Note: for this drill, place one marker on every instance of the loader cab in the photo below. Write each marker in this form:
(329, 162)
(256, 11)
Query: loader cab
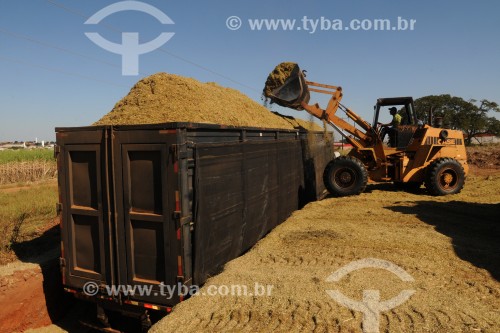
(403, 104)
(409, 121)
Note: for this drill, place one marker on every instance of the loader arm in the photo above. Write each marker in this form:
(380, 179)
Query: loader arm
(294, 93)
(360, 139)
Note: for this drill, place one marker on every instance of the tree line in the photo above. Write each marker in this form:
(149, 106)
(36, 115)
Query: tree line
(470, 116)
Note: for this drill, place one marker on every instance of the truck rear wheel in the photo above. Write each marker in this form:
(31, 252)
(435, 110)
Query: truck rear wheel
(445, 176)
(345, 176)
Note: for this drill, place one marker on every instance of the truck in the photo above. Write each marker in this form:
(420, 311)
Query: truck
(170, 204)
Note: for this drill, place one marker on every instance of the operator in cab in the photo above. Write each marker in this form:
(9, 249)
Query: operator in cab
(392, 127)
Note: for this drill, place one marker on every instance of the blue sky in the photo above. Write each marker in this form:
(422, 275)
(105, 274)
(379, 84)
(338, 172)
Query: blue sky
(53, 75)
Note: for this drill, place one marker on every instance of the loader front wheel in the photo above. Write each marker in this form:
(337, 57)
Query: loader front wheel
(445, 176)
(345, 176)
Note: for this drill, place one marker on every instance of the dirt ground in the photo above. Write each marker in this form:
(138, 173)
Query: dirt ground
(31, 293)
(484, 160)
(28, 299)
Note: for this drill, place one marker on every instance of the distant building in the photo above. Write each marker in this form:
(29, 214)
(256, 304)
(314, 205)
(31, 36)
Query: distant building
(485, 139)
(10, 145)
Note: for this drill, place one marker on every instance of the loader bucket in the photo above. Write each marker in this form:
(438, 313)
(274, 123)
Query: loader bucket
(293, 91)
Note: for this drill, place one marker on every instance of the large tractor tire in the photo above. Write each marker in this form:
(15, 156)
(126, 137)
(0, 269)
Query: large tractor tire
(445, 176)
(345, 176)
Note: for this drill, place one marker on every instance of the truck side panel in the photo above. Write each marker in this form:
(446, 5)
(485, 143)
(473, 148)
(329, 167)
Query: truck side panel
(243, 190)
(172, 203)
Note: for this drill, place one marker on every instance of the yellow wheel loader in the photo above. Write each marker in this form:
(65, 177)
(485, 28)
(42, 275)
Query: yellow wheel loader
(418, 153)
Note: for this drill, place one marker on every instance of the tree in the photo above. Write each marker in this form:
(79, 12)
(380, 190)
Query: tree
(469, 116)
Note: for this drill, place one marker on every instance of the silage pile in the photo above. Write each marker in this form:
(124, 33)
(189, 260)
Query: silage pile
(308, 125)
(448, 245)
(163, 97)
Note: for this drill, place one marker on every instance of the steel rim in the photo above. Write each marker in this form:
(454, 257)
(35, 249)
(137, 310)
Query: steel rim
(448, 179)
(344, 177)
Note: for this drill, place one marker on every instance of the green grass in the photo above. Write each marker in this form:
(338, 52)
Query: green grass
(25, 155)
(25, 214)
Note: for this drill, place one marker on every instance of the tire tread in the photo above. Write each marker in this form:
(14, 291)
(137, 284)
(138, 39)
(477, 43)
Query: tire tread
(356, 163)
(431, 181)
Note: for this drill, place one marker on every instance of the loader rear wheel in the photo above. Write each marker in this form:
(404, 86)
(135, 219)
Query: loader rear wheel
(345, 176)
(445, 176)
